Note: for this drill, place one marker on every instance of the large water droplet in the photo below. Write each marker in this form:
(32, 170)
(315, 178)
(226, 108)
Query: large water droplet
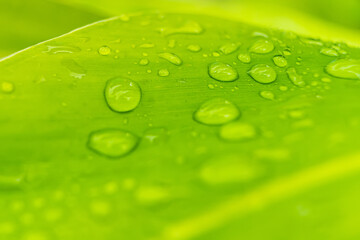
(280, 61)
(344, 68)
(112, 142)
(172, 58)
(263, 73)
(295, 78)
(229, 169)
(122, 95)
(262, 46)
(237, 131)
(229, 48)
(216, 111)
(223, 72)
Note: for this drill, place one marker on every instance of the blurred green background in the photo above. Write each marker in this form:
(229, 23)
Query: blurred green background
(25, 23)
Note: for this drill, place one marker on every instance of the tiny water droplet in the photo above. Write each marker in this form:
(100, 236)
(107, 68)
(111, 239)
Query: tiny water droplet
(124, 17)
(147, 45)
(216, 111)
(7, 87)
(144, 61)
(283, 88)
(229, 169)
(112, 142)
(151, 195)
(326, 80)
(262, 46)
(237, 131)
(11, 182)
(280, 61)
(156, 135)
(229, 48)
(329, 52)
(122, 95)
(223, 72)
(211, 86)
(194, 48)
(163, 72)
(295, 78)
(263, 73)
(244, 58)
(296, 114)
(267, 95)
(344, 68)
(104, 51)
(172, 58)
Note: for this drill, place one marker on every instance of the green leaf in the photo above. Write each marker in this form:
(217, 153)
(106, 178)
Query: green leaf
(194, 156)
(25, 23)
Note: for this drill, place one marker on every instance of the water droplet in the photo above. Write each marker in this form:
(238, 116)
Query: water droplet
(156, 135)
(237, 131)
(147, 45)
(326, 80)
(144, 61)
(244, 58)
(272, 154)
(286, 52)
(280, 61)
(229, 48)
(151, 195)
(100, 207)
(62, 49)
(329, 52)
(229, 169)
(163, 72)
(194, 48)
(223, 72)
(283, 88)
(124, 17)
(171, 43)
(216, 111)
(211, 86)
(263, 73)
(11, 182)
(7, 87)
(267, 95)
(312, 41)
(75, 69)
(172, 58)
(295, 78)
(190, 27)
(344, 68)
(122, 95)
(262, 46)
(104, 51)
(112, 142)
(296, 114)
